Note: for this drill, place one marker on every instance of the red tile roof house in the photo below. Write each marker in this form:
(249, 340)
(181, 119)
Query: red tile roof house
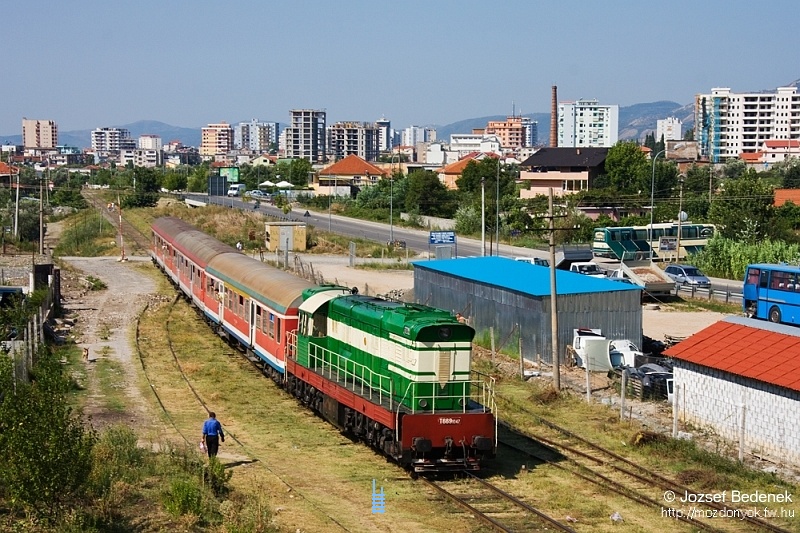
(741, 378)
(352, 170)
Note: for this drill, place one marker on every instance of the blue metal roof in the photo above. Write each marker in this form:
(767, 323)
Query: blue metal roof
(522, 277)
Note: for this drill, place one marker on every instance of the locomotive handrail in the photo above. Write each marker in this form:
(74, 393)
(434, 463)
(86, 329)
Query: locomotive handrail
(365, 379)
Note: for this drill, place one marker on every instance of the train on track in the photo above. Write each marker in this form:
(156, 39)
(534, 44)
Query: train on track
(394, 375)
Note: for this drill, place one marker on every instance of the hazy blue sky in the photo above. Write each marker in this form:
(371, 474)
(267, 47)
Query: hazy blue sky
(88, 64)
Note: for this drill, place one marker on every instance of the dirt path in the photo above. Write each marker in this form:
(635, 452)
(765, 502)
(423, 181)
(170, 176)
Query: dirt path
(104, 321)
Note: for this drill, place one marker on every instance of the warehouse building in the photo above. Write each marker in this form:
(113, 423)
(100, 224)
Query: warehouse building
(513, 297)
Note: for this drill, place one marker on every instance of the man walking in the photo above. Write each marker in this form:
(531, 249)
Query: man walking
(212, 434)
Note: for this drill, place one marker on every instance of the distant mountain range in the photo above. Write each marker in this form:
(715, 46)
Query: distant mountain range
(635, 122)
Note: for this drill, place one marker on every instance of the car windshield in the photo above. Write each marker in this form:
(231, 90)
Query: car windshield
(588, 268)
(692, 272)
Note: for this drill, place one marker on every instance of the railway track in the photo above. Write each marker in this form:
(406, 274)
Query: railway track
(167, 410)
(566, 451)
(494, 506)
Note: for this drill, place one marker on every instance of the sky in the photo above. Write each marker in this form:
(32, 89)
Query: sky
(90, 64)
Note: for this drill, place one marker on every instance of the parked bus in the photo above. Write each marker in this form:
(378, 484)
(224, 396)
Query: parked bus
(772, 292)
(627, 243)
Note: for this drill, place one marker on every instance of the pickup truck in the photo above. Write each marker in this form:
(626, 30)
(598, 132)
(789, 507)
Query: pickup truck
(588, 268)
(645, 274)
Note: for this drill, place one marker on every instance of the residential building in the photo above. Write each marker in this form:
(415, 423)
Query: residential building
(353, 138)
(39, 133)
(216, 139)
(337, 179)
(452, 172)
(514, 132)
(414, 135)
(305, 135)
(385, 134)
(670, 129)
(150, 142)
(566, 170)
(466, 143)
(255, 136)
(587, 124)
(109, 141)
(728, 124)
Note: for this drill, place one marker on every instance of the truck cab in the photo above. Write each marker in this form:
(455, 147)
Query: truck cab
(237, 189)
(588, 268)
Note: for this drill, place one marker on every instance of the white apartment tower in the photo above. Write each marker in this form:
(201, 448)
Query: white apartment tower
(670, 129)
(216, 139)
(728, 124)
(150, 142)
(414, 135)
(587, 124)
(39, 133)
(385, 134)
(255, 136)
(305, 135)
(353, 138)
(107, 141)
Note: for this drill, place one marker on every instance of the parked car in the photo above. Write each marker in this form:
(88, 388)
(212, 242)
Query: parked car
(687, 275)
(257, 194)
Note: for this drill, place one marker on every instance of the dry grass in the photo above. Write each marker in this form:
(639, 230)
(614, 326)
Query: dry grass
(312, 474)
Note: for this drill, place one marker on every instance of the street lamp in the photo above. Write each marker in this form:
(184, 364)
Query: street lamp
(497, 208)
(483, 217)
(330, 194)
(652, 204)
(391, 195)
(681, 178)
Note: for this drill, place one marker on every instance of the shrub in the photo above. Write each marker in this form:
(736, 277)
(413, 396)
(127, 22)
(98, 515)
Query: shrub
(183, 497)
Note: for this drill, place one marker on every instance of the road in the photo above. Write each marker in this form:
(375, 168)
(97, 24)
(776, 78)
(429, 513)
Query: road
(418, 240)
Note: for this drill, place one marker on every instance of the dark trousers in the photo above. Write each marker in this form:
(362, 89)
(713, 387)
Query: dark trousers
(212, 445)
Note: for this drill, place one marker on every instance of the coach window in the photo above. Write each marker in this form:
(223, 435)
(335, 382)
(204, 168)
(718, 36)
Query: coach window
(259, 318)
(271, 331)
(764, 283)
(752, 276)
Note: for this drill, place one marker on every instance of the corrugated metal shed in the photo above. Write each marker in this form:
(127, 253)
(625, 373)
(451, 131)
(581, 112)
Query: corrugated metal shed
(513, 297)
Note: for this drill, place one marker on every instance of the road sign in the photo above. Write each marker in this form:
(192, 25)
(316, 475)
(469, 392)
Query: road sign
(442, 237)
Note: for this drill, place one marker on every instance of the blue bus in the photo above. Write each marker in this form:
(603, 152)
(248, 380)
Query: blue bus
(772, 292)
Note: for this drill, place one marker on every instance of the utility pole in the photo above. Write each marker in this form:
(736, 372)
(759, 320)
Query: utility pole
(41, 215)
(553, 299)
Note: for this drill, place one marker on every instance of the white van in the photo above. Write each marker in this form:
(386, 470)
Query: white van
(237, 189)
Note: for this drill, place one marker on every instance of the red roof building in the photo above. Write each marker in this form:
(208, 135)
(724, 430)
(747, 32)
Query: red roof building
(742, 371)
(352, 170)
(786, 195)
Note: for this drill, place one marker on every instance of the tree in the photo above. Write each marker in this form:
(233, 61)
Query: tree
(299, 170)
(744, 209)
(47, 451)
(427, 195)
(198, 182)
(627, 168)
(175, 180)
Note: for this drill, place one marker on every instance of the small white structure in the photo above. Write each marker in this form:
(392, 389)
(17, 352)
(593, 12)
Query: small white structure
(741, 378)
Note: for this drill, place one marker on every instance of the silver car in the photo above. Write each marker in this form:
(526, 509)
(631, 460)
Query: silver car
(687, 275)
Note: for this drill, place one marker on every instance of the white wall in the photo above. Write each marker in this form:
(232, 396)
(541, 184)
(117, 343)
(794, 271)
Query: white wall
(715, 398)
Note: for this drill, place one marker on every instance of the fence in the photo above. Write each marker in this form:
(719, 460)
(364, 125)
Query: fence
(725, 294)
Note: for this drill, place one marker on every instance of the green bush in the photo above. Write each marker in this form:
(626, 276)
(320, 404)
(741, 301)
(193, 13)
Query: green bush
(217, 477)
(183, 497)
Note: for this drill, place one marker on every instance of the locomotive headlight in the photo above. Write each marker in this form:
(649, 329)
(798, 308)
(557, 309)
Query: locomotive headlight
(423, 403)
(461, 402)
(444, 333)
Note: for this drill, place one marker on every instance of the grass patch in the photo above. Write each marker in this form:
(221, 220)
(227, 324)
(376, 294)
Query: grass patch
(110, 377)
(698, 304)
(87, 234)
(396, 265)
(96, 284)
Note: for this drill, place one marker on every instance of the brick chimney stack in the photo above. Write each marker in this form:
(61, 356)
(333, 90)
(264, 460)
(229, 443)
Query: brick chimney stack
(554, 118)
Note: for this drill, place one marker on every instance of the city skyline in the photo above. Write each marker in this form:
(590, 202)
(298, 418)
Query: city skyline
(89, 64)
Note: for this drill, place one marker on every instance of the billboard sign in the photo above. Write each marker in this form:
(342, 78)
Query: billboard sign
(231, 174)
(442, 237)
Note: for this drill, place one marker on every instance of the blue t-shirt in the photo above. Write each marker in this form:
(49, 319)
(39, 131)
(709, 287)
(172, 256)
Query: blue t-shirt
(212, 427)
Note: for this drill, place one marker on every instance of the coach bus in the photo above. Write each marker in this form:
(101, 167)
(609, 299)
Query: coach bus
(772, 292)
(635, 242)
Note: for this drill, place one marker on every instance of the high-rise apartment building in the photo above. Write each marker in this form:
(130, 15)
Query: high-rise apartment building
(305, 135)
(728, 124)
(670, 129)
(39, 133)
(216, 139)
(586, 123)
(514, 132)
(107, 141)
(385, 134)
(150, 142)
(255, 136)
(356, 138)
(414, 135)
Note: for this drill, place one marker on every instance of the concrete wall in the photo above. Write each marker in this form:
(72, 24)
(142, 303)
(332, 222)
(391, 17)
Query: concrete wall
(714, 398)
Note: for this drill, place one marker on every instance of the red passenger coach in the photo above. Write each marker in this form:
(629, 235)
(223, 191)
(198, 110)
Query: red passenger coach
(259, 304)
